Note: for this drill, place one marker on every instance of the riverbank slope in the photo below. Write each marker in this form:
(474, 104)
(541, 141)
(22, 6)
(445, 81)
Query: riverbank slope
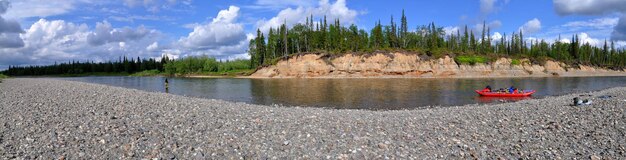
(395, 64)
(46, 118)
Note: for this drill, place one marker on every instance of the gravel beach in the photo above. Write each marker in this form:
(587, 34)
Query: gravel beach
(56, 119)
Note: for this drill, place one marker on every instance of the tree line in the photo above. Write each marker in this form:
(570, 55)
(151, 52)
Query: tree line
(205, 64)
(123, 65)
(429, 39)
(186, 65)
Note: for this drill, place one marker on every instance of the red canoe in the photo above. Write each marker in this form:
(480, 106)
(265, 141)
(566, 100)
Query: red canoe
(497, 94)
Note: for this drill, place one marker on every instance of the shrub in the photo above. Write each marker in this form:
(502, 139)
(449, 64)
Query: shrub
(470, 59)
(516, 62)
(153, 72)
(204, 64)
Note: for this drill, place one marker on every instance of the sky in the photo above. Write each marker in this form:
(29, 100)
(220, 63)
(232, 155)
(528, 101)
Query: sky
(43, 32)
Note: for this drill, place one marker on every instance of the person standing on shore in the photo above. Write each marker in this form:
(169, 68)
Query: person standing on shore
(167, 87)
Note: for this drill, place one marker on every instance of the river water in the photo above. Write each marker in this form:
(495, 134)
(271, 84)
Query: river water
(375, 94)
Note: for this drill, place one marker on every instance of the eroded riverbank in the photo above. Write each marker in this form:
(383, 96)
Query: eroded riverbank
(45, 118)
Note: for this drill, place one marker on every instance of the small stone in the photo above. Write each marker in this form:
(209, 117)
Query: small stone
(594, 157)
(285, 143)
(382, 146)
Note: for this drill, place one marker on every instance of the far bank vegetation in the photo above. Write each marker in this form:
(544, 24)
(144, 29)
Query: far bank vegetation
(465, 45)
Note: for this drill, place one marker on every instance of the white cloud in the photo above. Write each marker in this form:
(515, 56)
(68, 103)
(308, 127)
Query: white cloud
(532, 26)
(223, 38)
(619, 32)
(46, 42)
(585, 38)
(105, 33)
(451, 30)
(4, 6)
(595, 23)
(9, 29)
(496, 36)
(10, 40)
(337, 10)
(222, 31)
(153, 47)
(596, 7)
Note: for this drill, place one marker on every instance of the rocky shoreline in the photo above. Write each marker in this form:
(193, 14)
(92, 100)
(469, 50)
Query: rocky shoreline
(50, 119)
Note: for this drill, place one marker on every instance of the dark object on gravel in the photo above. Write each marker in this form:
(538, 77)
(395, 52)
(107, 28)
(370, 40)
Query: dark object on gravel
(606, 96)
(578, 102)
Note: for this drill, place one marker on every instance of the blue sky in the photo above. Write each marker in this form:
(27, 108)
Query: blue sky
(38, 32)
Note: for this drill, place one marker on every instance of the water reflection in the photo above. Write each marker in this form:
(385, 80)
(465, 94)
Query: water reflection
(357, 93)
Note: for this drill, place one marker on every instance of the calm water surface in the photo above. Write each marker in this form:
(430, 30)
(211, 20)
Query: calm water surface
(357, 93)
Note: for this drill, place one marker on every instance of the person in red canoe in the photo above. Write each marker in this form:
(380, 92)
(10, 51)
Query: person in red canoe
(487, 89)
(515, 90)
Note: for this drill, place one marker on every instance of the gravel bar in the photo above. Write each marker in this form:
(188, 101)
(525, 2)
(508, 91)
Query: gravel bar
(56, 119)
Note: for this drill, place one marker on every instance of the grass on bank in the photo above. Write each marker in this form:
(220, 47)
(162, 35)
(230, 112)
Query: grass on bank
(147, 73)
(471, 59)
(2, 76)
(228, 73)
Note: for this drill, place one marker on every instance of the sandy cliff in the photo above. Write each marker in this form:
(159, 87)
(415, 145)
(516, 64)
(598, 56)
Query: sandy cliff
(412, 65)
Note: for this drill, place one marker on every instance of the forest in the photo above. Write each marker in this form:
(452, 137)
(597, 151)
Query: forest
(122, 66)
(335, 38)
(140, 67)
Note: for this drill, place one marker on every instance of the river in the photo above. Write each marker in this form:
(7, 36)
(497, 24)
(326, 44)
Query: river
(374, 94)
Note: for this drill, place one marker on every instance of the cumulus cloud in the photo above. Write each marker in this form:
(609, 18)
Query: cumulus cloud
(532, 26)
(585, 38)
(337, 10)
(9, 26)
(496, 36)
(4, 6)
(104, 33)
(46, 42)
(596, 7)
(450, 30)
(223, 38)
(8, 40)
(222, 31)
(9, 29)
(619, 33)
(588, 7)
(153, 47)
